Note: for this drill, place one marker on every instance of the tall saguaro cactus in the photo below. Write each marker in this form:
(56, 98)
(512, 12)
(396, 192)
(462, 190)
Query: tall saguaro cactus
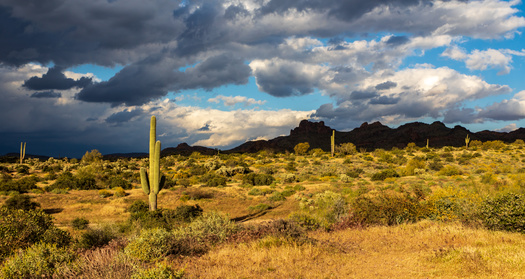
(22, 151)
(467, 141)
(152, 183)
(332, 142)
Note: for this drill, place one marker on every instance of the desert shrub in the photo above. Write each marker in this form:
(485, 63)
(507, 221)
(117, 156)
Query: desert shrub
(435, 165)
(450, 170)
(301, 148)
(451, 204)
(161, 271)
(22, 185)
(505, 212)
(150, 244)
(213, 180)
(22, 202)
(494, 145)
(289, 178)
(65, 180)
(386, 207)
(39, 261)
(84, 181)
(80, 223)
(346, 148)
(382, 175)
(119, 192)
(412, 165)
(323, 210)
(277, 196)
(259, 208)
(118, 181)
(92, 156)
(22, 169)
(96, 237)
(104, 193)
(258, 179)
(211, 227)
(21, 229)
(354, 173)
(260, 191)
(197, 194)
(184, 213)
(291, 166)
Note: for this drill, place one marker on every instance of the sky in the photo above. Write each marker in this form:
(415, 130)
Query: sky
(78, 75)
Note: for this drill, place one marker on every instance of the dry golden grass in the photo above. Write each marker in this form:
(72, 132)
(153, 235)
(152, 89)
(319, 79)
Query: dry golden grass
(422, 250)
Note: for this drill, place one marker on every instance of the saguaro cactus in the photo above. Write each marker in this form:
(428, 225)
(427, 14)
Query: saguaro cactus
(152, 183)
(22, 151)
(332, 140)
(467, 141)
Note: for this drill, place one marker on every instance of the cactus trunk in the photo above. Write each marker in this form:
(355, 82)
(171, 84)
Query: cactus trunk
(22, 151)
(332, 143)
(152, 183)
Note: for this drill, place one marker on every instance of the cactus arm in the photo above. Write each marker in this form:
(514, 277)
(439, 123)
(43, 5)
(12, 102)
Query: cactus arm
(161, 184)
(144, 180)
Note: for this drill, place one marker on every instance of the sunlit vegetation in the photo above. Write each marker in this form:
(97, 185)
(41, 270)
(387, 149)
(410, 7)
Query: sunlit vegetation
(415, 212)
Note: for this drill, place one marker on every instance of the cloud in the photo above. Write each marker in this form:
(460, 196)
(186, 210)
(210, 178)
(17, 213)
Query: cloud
(483, 60)
(46, 94)
(124, 116)
(55, 79)
(234, 100)
(420, 92)
(508, 109)
(508, 128)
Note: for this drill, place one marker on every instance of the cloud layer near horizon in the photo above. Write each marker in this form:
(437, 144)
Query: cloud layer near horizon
(352, 51)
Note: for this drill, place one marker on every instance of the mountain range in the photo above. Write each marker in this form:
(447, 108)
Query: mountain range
(367, 136)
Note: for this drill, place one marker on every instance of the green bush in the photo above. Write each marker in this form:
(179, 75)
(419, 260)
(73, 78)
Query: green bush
(96, 238)
(22, 202)
(117, 181)
(151, 244)
(39, 261)
(80, 223)
(211, 227)
(382, 175)
(22, 185)
(184, 213)
(213, 180)
(387, 207)
(506, 212)
(258, 179)
(450, 170)
(21, 229)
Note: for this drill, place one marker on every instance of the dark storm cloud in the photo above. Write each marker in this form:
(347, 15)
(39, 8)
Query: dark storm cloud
(361, 95)
(123, 116)
(201, 29)
(152, 78)
(234, 11)
(214, 72)
(384, 100)
(46, 94)
(386, 85)
(463, 115)
(342, 9)
(55, 79)
(136, 84)
(397, 40)
(284, 80)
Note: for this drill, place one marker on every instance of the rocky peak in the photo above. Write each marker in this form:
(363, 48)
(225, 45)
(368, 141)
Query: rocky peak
(308, 128)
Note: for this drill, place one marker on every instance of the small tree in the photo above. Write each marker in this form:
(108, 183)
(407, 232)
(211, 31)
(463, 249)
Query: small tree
(346, 148)
(301, 148)
(91, 157)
